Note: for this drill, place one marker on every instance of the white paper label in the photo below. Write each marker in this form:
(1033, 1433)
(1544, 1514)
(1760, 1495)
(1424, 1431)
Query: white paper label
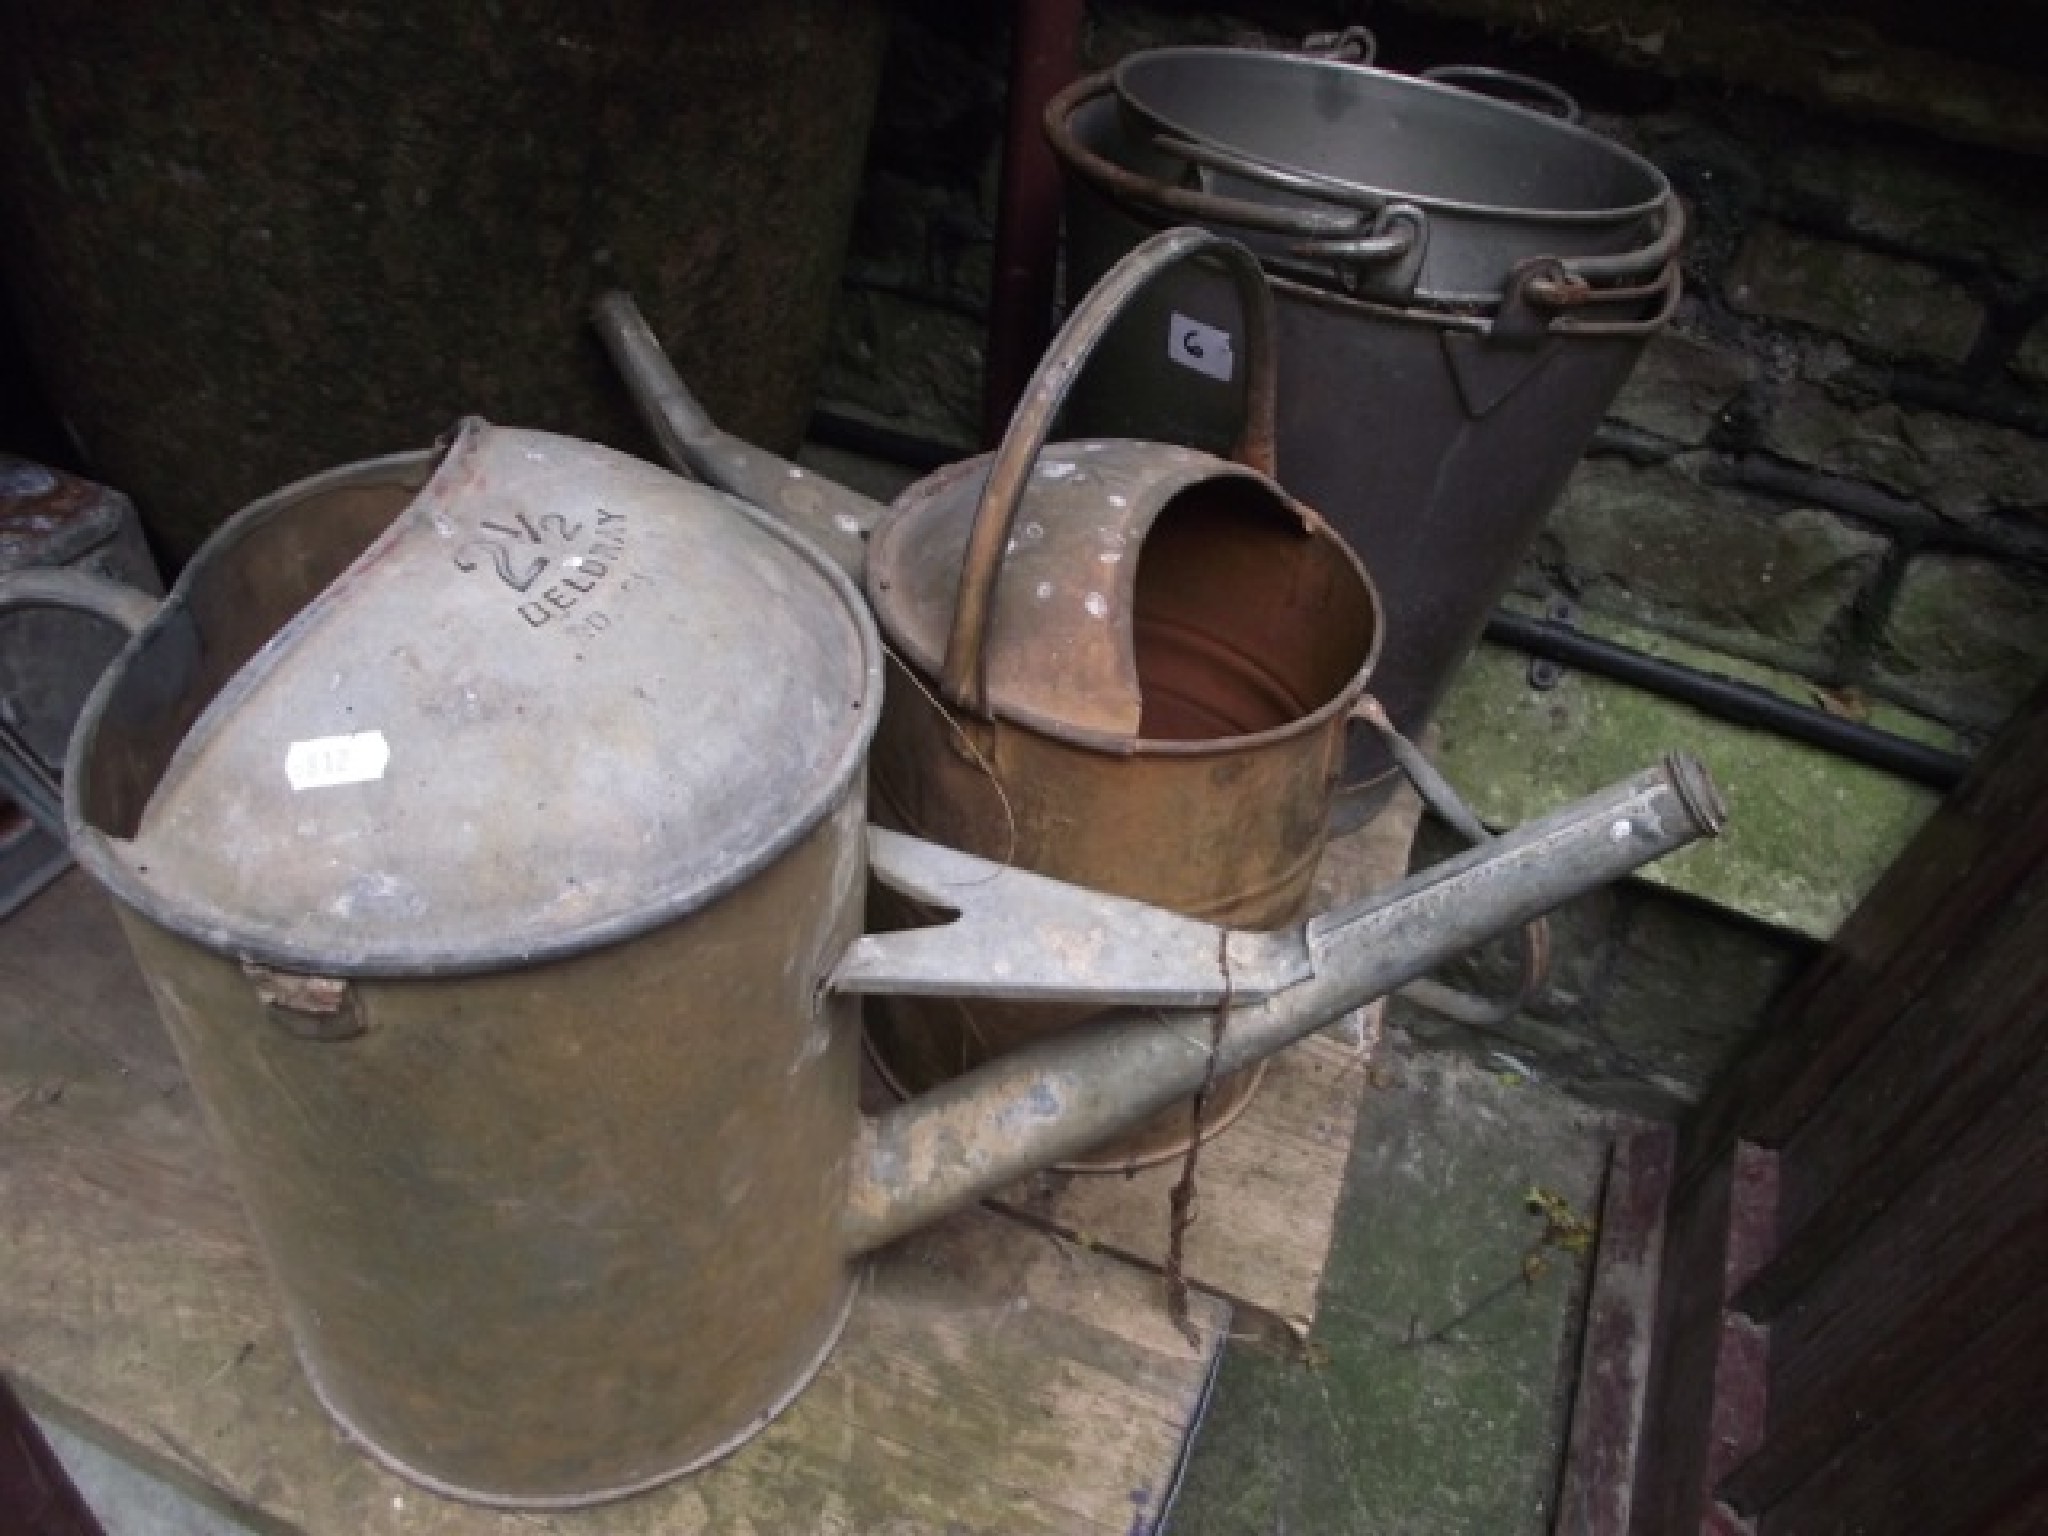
(330, 760)
(1201, 347)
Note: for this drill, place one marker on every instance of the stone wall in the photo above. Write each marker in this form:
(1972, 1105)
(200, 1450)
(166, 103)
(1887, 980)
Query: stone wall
(1834, 463)
(1836, 460)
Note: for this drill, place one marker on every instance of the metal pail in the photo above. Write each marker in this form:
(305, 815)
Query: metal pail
(1435, 438)
(1320, 152)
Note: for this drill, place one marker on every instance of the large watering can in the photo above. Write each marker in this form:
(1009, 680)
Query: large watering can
(489, 825)
(1123, 664)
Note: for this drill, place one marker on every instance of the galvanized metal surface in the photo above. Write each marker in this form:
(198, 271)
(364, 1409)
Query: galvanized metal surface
(30, 857)
(552, 1234)
(1061, 1095)
(562, 698)
(555, 1224)
(832, 517)
(508, 1209)
(1086, 946)
(1492, 184)
(1434, 441)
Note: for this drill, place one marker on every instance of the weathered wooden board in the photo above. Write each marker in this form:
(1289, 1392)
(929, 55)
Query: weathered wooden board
(1621, 1311)
(1267, 1189)
(993, 1378)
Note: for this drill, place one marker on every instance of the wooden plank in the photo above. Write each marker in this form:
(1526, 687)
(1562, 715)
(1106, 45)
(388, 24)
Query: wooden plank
(1945, 1058)
(1268, 1188)
(1896, 1212)
(1962, 1246)
(1267, 1193)
(1706, 1397)
(1981, 842)
(1614, 1368)
(1946, 1460)
(993, 1378)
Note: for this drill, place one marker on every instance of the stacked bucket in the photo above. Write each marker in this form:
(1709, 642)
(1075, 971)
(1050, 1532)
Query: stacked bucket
(1463, 283)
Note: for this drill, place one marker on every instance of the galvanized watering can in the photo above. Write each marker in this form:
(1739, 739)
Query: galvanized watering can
(489, 825)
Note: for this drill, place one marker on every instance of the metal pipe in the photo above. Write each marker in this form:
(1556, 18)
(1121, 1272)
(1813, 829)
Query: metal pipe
(1060, 1096)
(1729, 699)
(1044, 53)
(836, 519)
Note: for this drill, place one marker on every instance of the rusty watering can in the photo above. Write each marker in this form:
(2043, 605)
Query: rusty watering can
(1122, 664)
(489, 825)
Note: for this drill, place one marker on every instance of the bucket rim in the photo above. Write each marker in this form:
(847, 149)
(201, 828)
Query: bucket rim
(1159, 206)
(1513, 115)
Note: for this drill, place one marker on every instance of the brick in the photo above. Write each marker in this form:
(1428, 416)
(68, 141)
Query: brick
(915, 366)
(1965, 640)
(1687, 989)
(1896, 307)
(1657, 546)
(1941, 204)
(924, 239)
(1681, 386)
(2030, 362)
(1963, 469)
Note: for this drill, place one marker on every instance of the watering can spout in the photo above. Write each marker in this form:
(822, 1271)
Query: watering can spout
(1064, 1094)
(836, 519)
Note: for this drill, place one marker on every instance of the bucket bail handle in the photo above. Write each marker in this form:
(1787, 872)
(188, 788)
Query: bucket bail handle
(964, 677)
(1440, 796)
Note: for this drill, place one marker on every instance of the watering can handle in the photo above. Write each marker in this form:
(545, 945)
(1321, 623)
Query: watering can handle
(1439, 795)
(127, 608)
(964, 678)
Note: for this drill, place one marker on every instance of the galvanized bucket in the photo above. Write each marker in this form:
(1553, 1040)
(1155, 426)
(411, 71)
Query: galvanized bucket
(1435, 436)
(1400, 188)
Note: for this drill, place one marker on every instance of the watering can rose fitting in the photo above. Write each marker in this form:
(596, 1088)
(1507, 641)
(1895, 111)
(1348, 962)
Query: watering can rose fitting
(490, 826)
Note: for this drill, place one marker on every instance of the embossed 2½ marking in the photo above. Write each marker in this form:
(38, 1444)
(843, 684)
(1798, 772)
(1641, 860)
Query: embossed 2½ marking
(521, 549)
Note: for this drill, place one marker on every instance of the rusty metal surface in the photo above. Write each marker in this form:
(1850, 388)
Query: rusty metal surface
(1020, 465)
(1122, 664)
(1058, 649)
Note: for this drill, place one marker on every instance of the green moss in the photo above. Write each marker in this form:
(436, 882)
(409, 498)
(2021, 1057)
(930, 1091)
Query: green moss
(1431, 1402)
(1808, 833)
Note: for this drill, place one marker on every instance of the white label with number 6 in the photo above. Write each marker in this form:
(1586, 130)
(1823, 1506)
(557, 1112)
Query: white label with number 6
(1204, 348)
